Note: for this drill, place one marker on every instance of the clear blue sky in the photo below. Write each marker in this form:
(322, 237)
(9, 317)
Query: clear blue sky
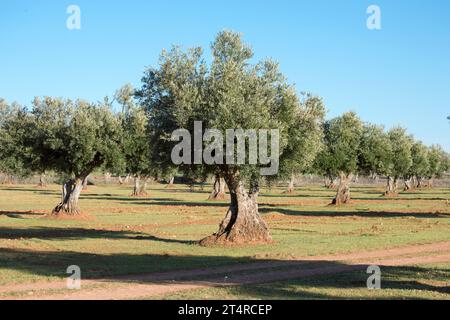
(399, 75)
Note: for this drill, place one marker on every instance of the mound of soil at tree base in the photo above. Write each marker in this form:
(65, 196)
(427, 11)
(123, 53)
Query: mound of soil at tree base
(219, 198)
(82, 216)
(390, 195)
(334, 204)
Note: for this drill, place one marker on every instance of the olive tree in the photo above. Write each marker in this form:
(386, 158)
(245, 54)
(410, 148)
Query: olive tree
(229, 94)
(305, 139)
(438, 163)
(375, 151)
(12, 152)
(400, 161)
(73, 139)
(218, 192)
(137, 149)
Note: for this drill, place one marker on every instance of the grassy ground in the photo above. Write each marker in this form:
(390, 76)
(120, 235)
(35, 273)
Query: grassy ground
(419, 282)
(158, 233)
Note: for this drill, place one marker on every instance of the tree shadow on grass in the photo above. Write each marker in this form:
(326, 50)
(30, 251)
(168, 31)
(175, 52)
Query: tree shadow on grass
(365, 214)
(384, 198)
(49, 233)
(393, 278)
(220, 270)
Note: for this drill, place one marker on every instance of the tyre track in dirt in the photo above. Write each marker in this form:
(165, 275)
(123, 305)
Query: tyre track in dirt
(155, 284)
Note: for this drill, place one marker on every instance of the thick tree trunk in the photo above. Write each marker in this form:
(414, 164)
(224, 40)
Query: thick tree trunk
(69, 197)
(137, 186)
(107, 177)
(343, 191)
(391, 187)
(120, 180)
(327, 182)
(291, 185)
(408, 184)
(218, 192)
(140, 186)
(374, 177)
(330, 182)
(242, 223)
(419, 182)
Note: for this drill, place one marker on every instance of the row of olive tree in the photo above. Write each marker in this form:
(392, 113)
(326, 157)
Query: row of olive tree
(71, 138)
(352, 147)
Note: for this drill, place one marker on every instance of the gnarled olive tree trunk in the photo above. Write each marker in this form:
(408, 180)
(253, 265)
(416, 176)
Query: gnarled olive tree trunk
(242, 223)
(85, 183)
(409, 183)
(42, 183)
(8, 179)
(137, 186)
(69, 197)
(143, 190)
(391, 186)
(171, 182)
(343, 191)
(218, 192)
(330, 182)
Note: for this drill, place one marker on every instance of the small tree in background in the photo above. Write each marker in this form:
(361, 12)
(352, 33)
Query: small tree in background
(401, 160)
(306, 139)
(342, 139)
(135, 140)
(137, 149)
(73, 139)
(375, 151)
(438, 163)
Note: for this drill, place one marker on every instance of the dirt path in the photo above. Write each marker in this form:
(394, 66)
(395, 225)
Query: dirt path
(155, 284)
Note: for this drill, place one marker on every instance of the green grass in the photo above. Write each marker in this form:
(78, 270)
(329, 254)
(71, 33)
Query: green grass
(158, 233)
